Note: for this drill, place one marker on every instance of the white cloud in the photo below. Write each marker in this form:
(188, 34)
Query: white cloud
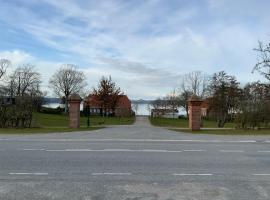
(45, 68)
(147, 46)
(17, 57)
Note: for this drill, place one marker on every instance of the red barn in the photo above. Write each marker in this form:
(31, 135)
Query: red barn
(122, 108)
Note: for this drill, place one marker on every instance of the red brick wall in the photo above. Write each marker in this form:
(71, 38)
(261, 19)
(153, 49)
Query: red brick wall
(195, 115)
(74, 114)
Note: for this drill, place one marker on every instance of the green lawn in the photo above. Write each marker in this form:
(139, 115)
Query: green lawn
(183, 123)
(227, 131)
(53, 120)
(45, 123)
(44, 130)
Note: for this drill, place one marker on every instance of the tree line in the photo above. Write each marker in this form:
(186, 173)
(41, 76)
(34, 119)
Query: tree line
(21, 94)
(248, 106)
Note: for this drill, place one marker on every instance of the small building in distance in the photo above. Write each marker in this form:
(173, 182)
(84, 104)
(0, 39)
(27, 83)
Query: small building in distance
(122, 108)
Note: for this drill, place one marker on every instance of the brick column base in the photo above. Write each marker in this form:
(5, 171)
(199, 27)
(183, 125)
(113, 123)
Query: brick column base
(74, 111)
(194, 104)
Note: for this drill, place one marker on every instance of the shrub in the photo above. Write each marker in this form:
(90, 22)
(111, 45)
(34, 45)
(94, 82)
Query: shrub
(57, 110)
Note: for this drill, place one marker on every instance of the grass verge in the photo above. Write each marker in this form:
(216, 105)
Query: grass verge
(49, 123)
(226, 131)
(44, 130)
(53, 120)
(183, 123)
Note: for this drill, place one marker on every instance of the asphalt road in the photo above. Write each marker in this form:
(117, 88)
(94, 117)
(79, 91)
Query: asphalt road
(137, 162)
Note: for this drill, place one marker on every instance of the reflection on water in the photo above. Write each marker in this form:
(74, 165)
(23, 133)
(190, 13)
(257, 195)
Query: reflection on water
(55, 105)
(142, 108)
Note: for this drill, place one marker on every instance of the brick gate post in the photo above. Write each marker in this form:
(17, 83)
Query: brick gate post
(74, 110)
(194, 104)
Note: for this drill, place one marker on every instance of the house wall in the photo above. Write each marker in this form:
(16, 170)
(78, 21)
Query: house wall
(123, 107)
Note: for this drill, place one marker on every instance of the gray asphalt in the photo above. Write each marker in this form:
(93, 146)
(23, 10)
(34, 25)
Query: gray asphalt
(136, 162)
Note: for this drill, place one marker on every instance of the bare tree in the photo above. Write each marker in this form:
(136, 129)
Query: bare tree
(4, 64)
(172, 101)
(183, 100)
(67, 80)
(24, 94)
(263, 64)
(24, 81)
(157, 104)
(195, 82)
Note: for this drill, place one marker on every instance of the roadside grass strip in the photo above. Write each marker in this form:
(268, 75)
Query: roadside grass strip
(128, 140)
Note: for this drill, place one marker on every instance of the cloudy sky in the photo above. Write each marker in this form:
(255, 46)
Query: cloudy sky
(145, 45)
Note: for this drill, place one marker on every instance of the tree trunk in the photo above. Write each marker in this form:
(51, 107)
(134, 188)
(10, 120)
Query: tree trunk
(66, 106)
(187, 111)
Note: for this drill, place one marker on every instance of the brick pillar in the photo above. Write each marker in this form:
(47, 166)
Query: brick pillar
(194, 104)
(74, 110)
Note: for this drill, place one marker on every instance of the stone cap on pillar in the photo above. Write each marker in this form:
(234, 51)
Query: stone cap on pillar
(74, 98)
(195, 100)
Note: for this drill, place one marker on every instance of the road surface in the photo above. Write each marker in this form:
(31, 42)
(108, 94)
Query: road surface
(136, 162)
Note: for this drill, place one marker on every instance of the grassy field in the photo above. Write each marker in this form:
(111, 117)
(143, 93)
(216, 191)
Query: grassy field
(46, 123)
(227, 132)
(53, 120)
(183, 123)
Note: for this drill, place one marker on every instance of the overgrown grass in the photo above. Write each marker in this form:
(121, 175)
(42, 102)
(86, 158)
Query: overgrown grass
(183, 123)
(227, 131)
(46, 123)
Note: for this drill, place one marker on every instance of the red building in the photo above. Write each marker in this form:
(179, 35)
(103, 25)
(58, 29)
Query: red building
(122, 108)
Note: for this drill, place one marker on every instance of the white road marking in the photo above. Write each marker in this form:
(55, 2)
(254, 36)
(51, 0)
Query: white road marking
(110, 173)
(194, 150)
(33, 149)
(263, 151)
(113, 150)
(26, 173)
(117, 150)
(153, 150)
(192, 174)
(232, 151)
(78, 150)
(55, 150)
(261, 174)
(169, 151)
(127, 140)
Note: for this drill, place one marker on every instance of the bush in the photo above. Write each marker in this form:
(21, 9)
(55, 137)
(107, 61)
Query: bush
(57, 110)
(19, 114)
(182, 117)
